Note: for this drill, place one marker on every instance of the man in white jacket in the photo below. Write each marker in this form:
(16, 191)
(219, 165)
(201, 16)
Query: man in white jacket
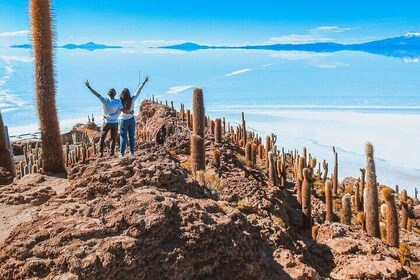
(112, 109)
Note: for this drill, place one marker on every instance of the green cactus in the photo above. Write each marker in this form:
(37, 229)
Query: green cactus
(44, 86)
(371, 198)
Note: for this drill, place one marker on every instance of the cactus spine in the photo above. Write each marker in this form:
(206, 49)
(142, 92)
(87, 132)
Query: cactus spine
(328, 201)
(306, 199)
(371, 203)
(346, 210)
(6, 155)
(392, 235)
(44, 86)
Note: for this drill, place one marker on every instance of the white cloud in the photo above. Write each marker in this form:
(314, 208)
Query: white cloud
(319, 34)
(332, 65)
(128, 43)
(333, 29)
(299, 55)
(14, 33)
(320, 60)
(8, 101)
(411, 60)
(159, 43)
(9, 58)
(238, 72)
(176, 89)
(299, 39)
(268, 65)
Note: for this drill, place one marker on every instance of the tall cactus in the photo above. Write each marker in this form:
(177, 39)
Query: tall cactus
(198, 151)
(6, 155)
(362, 185)
(44, 86)
(357, 204)
(335, 176)
(199, 115)
(272, 168)
(404, 209)
(392, 235)
(372, 200)
(244, 136)
(328, 201)
(306, 199)
(299, 179)
(218, 131)
(248, 152)
(198, 159)
(325, 173)
(267, 149)
(346, 210)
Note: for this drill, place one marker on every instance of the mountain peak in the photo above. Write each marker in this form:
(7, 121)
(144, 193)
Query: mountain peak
(412, 34)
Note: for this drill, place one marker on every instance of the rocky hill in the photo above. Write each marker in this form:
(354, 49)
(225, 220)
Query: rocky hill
(147, 217)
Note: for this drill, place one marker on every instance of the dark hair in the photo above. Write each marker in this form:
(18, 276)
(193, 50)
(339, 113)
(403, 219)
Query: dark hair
(126, 99)
(112, 92)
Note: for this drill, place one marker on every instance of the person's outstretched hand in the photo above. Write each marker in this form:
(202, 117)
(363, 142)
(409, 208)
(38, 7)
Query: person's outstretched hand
(146, 80)
(87, 83)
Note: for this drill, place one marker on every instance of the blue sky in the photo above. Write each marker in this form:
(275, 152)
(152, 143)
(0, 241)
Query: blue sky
(215, 22)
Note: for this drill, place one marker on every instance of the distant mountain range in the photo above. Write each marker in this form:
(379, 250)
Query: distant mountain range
(406, 46)
(88, 46)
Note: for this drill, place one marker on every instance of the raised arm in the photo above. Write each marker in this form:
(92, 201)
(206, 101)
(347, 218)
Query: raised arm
(92, 90)
(138, 91)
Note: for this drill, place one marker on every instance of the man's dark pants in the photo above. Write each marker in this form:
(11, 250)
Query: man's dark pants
(113, 127)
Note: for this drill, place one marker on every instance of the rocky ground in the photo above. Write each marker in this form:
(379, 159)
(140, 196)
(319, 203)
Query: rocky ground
(145, 217)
